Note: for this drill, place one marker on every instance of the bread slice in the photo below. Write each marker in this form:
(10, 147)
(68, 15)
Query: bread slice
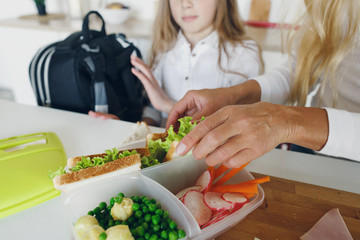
(122, 165)
(71, 162)
(155, 136)
(171, 154)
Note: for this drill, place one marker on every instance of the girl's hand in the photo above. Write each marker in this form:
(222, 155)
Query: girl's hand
(102, 115)
(236, 135)
(157, 96)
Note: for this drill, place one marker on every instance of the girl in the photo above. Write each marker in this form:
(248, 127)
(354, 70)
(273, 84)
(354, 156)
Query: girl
(328, 55)
(197, 44)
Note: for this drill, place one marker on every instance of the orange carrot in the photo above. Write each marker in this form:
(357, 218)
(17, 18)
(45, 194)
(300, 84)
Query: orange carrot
(244, 187)
(248, 195)
(237, 188)
(257, 180)
(220, 170)
(229, 175)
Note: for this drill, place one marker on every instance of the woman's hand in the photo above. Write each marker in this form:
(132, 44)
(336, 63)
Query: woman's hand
(236, 135)
(199, 103)
(157, 96)
(102, 115)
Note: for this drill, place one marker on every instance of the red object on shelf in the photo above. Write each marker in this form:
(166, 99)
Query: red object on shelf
(264, 24)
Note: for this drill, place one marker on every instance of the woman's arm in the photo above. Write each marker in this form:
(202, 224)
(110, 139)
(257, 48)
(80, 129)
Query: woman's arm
(236, 135)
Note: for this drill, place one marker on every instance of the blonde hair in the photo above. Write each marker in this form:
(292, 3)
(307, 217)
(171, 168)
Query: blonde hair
(227, 23)
(329, 32)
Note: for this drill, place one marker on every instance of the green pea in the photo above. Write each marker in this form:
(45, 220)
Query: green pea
(133, 232)
(166, 214)
(135, 206)
(173, 235)
(164, 234)
(145, 225)
(147, 202)
(147, 218)
(144, 198)
(117, 222)
(159, 212)
(145, 209)
(112, 201)
(121, 194)
(125, 223)
(102, 205)
(136, 199)
(102, 236)
(155, 219)
(152, 207)
(153, 237)
(153, 201)
(91, 213)
(172, 225)
(118, 199)
(156, 228)
(109, 208)
(138, 214)
(140, 238)
(181, 233)
(111, 223)
(96, 210)
(147, 236)
(140, 231)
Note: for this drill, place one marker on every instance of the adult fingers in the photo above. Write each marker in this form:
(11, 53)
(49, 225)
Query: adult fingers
(204, 129)
(179, 110)
(244, 156)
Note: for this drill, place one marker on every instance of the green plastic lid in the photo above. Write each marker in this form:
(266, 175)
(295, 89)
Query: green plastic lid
(24, 165)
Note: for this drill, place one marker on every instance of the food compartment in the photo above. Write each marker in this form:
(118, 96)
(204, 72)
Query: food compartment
(183, 172)
(78, 203)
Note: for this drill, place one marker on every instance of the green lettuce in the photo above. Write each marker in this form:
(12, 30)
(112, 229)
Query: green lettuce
(158, 149)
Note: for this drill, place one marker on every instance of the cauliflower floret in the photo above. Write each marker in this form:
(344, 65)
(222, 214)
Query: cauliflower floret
(123, 210)
(119, 232)
(93, 232)
(83, 224)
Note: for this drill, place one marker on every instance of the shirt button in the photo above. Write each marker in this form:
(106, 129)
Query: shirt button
(186, 78)
(194, 54)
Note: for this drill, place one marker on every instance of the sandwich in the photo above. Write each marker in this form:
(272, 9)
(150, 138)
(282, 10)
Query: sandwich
(91, 168)
(162, 145)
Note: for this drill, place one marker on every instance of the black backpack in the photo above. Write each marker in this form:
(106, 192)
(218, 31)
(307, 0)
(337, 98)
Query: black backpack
(89, 70)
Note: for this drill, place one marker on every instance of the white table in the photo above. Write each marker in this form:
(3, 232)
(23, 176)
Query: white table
(83, 135)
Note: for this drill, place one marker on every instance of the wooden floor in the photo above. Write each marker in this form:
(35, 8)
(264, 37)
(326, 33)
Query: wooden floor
(291, 208)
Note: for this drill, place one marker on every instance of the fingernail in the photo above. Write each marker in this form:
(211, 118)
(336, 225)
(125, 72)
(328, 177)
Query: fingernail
(180, 148)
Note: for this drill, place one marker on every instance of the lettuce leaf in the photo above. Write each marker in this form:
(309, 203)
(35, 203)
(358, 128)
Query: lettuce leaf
(158, 148)
(60, 171)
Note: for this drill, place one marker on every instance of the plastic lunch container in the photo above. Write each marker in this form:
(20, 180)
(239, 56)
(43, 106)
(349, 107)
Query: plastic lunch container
(160, 182)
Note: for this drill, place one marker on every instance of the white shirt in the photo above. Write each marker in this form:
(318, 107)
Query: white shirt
(344, 125)
(182, 69)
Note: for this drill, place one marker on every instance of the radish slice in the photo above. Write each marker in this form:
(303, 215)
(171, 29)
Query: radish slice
(204, 181)
(234, 197)
(214, 201)
(184, 191)
(220, 216)
(193, 200)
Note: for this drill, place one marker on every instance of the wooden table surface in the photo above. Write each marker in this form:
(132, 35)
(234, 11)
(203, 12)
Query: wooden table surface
(291, 208)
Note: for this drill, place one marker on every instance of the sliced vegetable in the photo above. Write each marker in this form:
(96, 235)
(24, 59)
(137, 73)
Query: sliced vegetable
(204, 181)
(219, 216)
(244, 187)
(214, 201)
(184, 191)
(193, 200)
(234, 197)
(229, 175)
(219, 171)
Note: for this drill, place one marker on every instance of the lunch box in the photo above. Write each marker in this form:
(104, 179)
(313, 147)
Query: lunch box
(24, 164)
(160, 182)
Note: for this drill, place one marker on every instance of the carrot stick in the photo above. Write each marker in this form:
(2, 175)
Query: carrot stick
(257, 180)
(220, 170)
(248, 195)
(229, 175)
(237, 188)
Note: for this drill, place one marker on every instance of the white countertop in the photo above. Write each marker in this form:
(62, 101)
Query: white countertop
(81, 134)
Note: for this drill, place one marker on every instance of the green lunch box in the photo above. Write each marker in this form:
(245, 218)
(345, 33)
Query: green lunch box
(25, 162)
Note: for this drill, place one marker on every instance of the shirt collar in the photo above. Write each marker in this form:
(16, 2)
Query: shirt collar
(211, 40)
